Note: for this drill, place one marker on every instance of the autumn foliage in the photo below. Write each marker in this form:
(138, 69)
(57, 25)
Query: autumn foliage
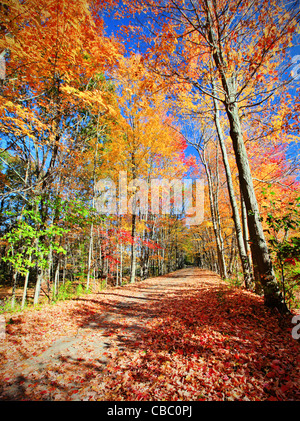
(126, 93)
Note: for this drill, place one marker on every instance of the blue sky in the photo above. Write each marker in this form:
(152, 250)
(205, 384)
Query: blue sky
(113, 26)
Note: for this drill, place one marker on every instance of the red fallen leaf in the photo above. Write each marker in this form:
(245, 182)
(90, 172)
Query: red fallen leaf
(285, 387)
(271, 374)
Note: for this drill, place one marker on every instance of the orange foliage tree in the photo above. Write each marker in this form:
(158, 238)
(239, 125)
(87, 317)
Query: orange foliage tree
(238, 45)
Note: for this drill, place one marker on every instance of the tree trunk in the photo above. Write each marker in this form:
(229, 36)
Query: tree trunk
(92, 226)
(13, 295)
(261, 258)
(25, 286)
(216, 227)
(56, 280)
(64, 269)
(121, 264)
(106, 276)
(38, 286)
(89, 259)
(246, 231)
(50, 264)
(117, 268)
(133, 222)
(248, 278)
(133, 249)
(260, 254)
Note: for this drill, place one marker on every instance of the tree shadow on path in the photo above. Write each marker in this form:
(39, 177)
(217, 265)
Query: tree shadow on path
(186, 335)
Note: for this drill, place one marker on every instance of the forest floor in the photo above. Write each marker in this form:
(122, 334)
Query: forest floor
(185, 336)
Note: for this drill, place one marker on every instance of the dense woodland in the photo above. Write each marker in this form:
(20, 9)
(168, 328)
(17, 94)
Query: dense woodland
(157, 90)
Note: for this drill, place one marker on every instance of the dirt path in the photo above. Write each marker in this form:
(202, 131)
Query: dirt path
(94, 334)
(86, 348)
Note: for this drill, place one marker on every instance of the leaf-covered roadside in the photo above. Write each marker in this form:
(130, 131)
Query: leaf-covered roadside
(214, 345)
(188, 336)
